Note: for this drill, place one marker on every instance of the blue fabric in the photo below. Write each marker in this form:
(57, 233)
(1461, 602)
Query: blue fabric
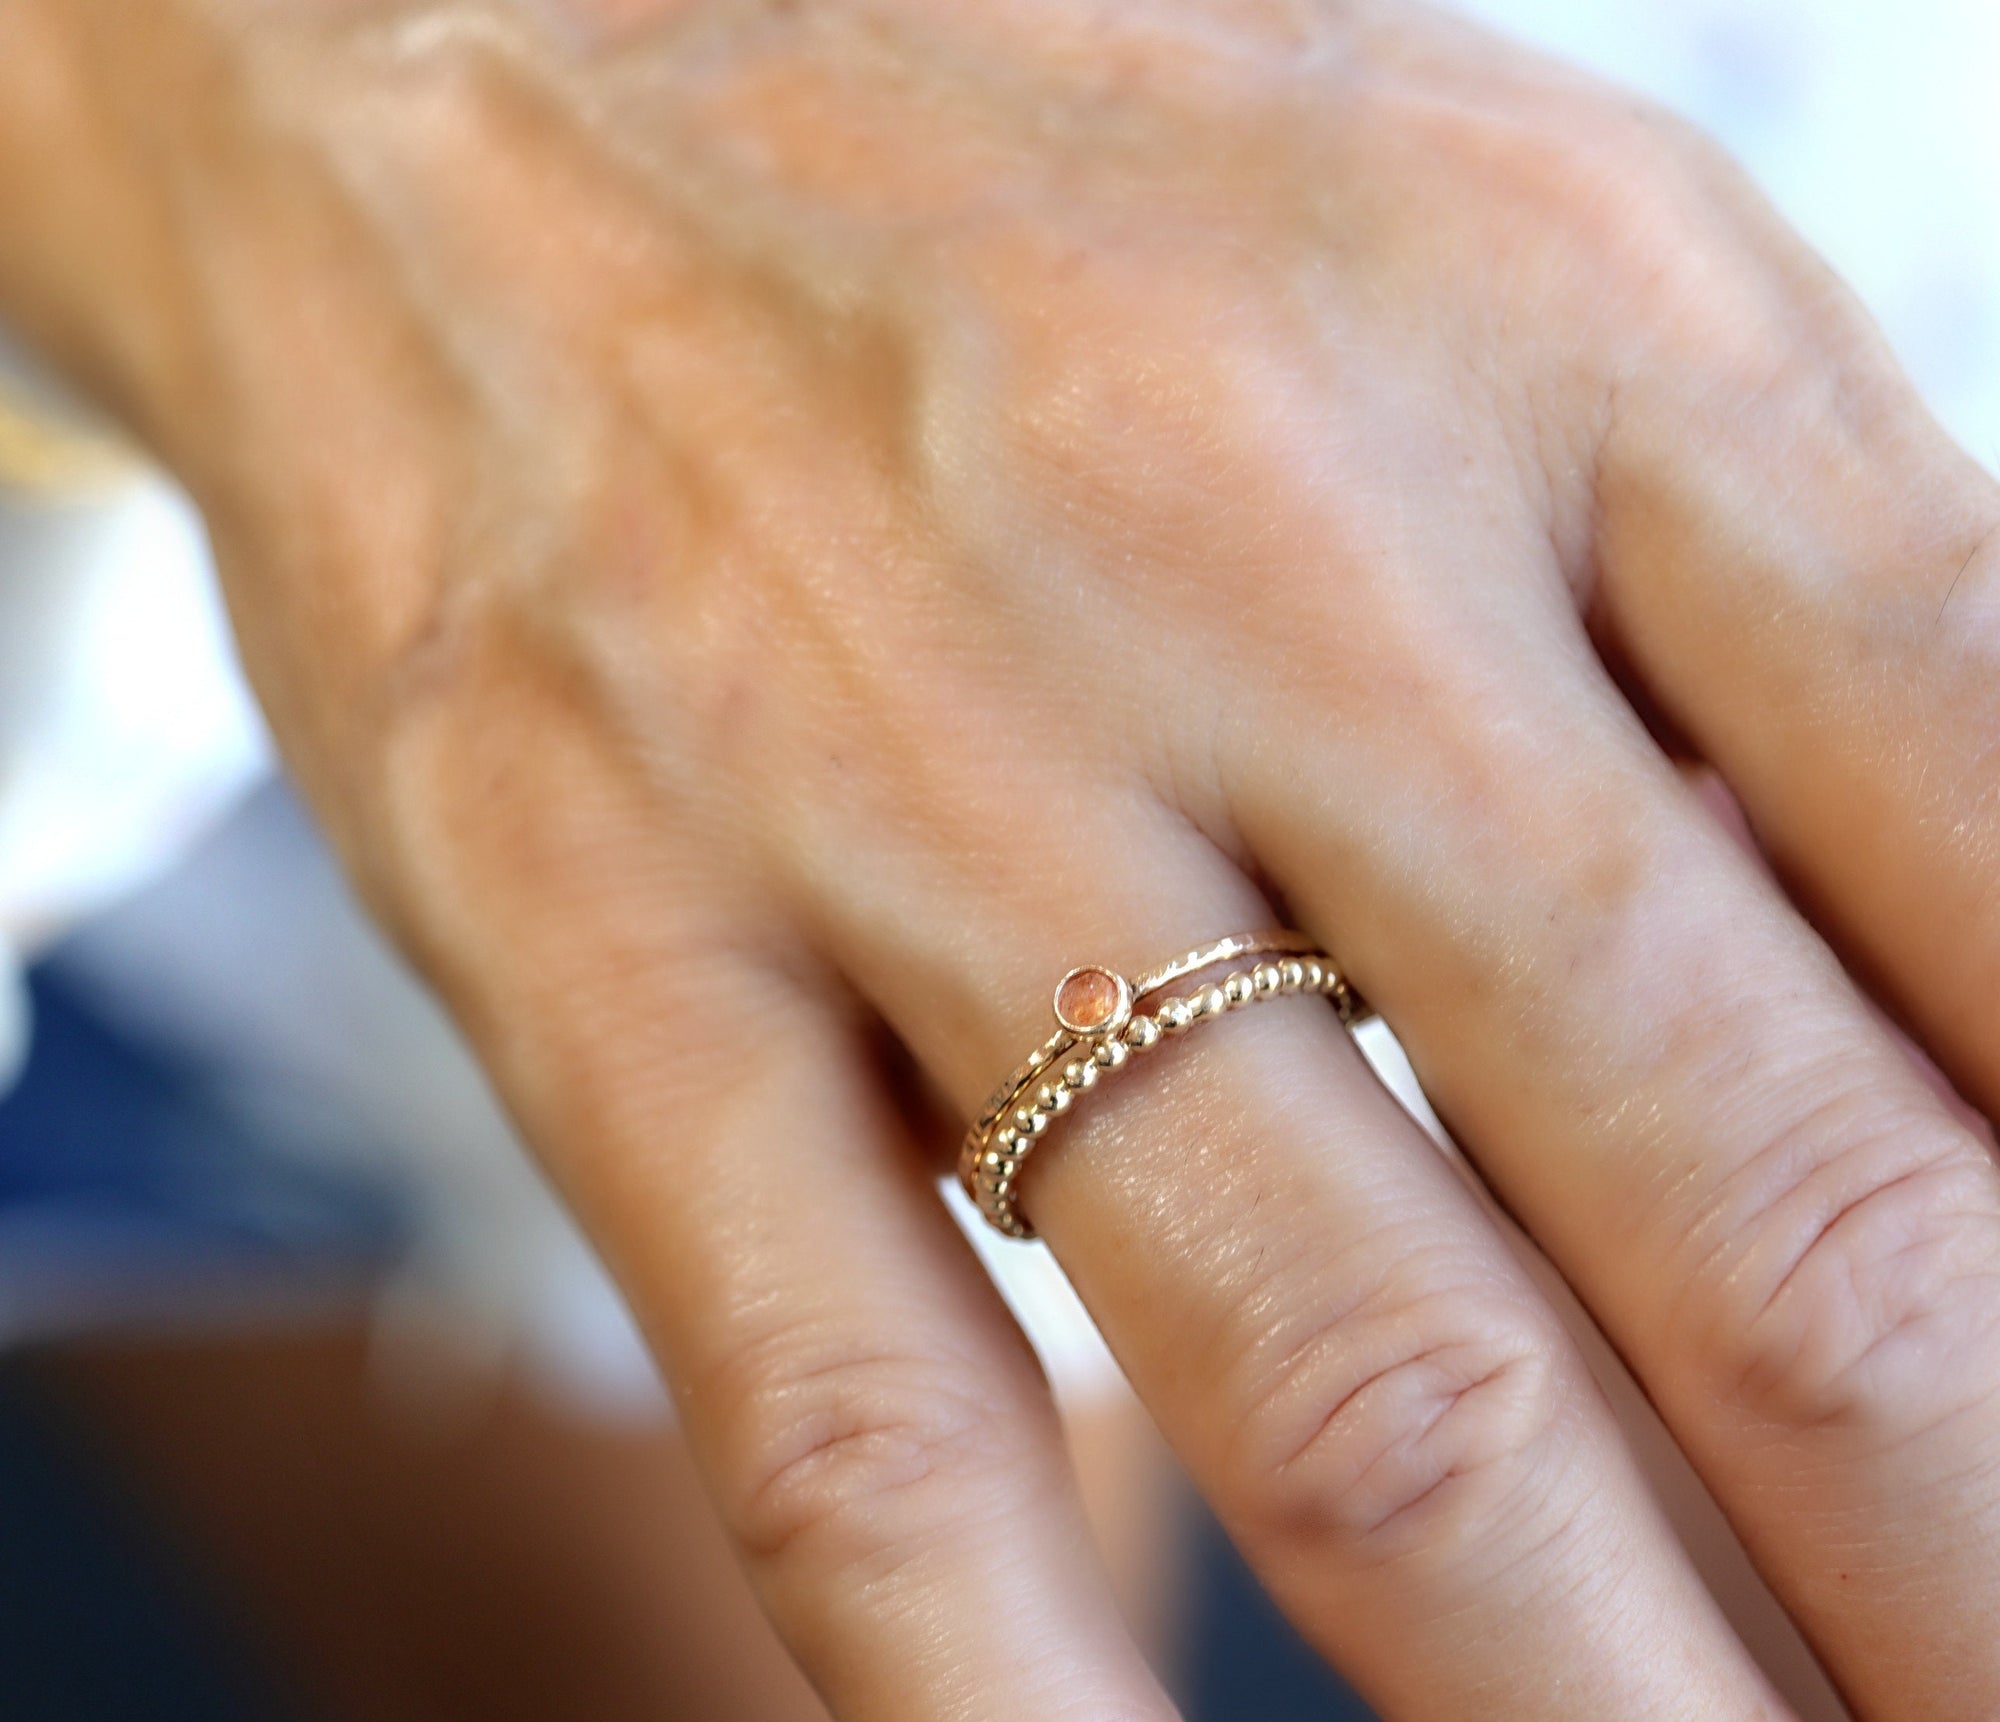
(125, 1196)
(1242, 1661)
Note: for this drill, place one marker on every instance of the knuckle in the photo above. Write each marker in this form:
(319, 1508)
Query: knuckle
(1732, 299)
(1426, 1421)
(859, 1463)
(517, 682)
(1667, 235)
(454, 736)
(397, 802)
(1107, 443)
(1858, 1285)
(1599, 175)
(1643, 227)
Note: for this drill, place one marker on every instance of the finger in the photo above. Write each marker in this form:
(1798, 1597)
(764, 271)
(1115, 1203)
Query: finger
(1812, 588)
(878, 1435)
(1390, 1422)
(1670, 1082)
(873, 1425)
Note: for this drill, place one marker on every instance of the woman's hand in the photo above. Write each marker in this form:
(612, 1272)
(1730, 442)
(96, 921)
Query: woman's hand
(756, 523)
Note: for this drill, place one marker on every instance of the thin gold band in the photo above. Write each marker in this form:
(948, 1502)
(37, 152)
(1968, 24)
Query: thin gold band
(1099, 1028)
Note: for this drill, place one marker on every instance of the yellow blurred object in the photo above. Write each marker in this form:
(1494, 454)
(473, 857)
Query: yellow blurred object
(45, 458)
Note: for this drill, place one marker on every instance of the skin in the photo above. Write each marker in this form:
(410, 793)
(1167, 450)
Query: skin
(771, 533)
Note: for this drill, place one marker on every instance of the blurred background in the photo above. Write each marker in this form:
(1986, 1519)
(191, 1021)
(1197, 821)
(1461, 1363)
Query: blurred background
(311, 1403)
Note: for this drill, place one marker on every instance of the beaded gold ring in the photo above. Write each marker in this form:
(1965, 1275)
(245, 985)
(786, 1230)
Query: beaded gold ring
(1103, 1021)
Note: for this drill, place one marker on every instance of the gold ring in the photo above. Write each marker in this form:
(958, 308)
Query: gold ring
(1100, 1026)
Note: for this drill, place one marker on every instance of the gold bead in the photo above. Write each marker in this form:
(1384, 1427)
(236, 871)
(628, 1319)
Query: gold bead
(1141, 1032)
(1266, 979)
(1239, 989)
(1211, 1001)
(1174, 1016)
(1110, 1054)
(1080, 1073)
(1292, 973)
(1314, 975)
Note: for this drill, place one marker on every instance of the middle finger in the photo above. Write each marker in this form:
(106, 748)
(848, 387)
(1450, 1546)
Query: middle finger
(1665, 1073)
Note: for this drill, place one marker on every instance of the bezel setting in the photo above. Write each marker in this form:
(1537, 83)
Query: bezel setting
(1093, 980)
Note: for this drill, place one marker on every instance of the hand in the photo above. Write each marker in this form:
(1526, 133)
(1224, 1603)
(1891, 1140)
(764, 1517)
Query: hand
(759, 526)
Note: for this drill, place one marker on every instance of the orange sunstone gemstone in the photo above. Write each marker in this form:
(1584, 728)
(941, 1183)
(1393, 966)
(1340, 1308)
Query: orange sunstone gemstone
(1088, 999)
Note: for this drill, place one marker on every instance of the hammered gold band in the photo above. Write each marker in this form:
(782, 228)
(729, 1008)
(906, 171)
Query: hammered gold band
(1100, 1028)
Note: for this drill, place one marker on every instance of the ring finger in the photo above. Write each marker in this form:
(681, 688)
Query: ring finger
(1387, 1417)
